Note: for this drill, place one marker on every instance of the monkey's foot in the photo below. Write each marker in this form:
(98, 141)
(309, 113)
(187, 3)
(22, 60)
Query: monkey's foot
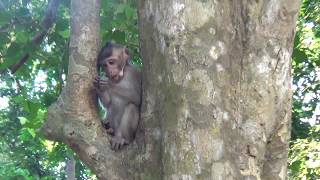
(107, 124)
(110, 131)
(108, 128)
(117, 142)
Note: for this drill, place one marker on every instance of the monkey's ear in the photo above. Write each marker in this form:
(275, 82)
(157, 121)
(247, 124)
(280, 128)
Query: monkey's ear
(126, 54)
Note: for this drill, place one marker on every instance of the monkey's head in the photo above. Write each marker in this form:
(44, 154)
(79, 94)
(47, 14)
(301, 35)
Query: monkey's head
(112, 59)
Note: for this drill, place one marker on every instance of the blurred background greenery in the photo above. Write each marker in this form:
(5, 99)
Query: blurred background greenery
(27, 91)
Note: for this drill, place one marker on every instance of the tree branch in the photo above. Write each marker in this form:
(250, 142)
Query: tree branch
(15, 67)
(46, 24)
(73, 119)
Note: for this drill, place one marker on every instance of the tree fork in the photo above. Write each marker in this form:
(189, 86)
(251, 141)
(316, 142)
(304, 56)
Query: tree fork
(73, 119)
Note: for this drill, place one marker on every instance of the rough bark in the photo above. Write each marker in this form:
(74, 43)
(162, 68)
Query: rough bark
(216, 91)
(217, 87)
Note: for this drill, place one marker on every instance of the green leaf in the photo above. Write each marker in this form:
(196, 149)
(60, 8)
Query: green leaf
(119, 36)
(32, 108)
(23, 120)
(129, 11)
(12, 56)
(24, 71)
(65, 34)
(120, 8)
(63, 28)
(62, 25)
(298, 55)
(25, 135)
(18, 99)
(22, 37)
(295, 166)
(32, 132)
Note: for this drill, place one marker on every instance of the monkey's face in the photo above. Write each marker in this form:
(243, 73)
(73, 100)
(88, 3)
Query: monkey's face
(113, 69)
(114, 65)
(113, 59)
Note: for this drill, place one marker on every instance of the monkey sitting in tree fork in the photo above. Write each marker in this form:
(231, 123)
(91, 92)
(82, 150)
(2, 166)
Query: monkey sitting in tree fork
(120, 93)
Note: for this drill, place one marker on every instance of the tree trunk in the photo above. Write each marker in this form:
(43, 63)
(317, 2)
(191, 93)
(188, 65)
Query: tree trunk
(217, 86)
(216, 91)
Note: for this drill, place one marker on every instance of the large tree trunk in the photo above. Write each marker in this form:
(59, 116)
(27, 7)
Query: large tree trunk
(216, 91)
(217, 86)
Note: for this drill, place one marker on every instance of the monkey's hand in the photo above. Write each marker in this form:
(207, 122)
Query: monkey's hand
(117, 142)
(96, 83)
(103, 82)
(101, 92)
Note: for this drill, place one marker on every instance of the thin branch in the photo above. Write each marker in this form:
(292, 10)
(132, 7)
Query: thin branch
(46, 24)
(16, 66)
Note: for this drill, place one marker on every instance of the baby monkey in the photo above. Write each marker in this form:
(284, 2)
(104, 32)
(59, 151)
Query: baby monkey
(120, 93)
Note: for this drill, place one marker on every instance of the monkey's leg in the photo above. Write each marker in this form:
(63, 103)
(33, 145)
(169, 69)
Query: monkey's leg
(127, 128)
(129, 122)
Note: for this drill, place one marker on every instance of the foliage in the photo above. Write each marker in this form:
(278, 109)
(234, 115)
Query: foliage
(306, 64)
(119, 23)
(304, 156)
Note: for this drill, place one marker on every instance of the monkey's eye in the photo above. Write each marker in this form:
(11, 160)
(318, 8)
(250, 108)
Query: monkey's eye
(110, 62)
